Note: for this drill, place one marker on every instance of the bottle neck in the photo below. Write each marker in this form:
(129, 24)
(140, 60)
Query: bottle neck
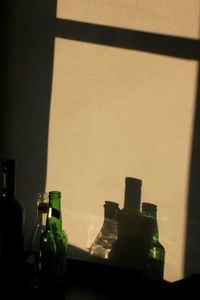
(42, 207)
(9, 181)
(111, 210)
(132, 194)
(150, 224)
(54, 219)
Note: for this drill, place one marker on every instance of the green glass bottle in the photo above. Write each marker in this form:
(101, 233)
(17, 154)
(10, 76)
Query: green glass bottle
(155, 252)
(53, 243)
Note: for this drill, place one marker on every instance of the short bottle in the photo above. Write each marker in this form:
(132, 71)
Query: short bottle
(42, 202)
(129, 216)
(155, 252)
(104, 241)
(53, 244)
(12, 217)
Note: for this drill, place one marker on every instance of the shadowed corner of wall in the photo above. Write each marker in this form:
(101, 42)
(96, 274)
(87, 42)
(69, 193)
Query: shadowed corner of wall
(192, 240)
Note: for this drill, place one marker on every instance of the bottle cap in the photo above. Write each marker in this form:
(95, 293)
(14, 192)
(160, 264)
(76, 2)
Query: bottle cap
(133, 181)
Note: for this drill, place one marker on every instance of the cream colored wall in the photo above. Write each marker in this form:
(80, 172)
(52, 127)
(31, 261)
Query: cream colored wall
(118, 113)
(174, 17)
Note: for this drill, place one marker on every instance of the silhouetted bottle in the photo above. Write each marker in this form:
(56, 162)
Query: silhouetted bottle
(12, 216)
(53, 243)
(132, 194)
(104, 241)
(154, 252)
(129, 223)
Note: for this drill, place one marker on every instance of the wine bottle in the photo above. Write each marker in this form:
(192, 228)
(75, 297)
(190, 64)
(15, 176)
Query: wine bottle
(125, 250)
(12, 217)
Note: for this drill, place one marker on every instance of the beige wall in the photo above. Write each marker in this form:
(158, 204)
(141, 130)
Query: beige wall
(117, 113)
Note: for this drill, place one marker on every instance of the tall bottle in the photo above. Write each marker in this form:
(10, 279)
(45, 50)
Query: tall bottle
(104, 241)
(130, 217)
(12, 217)
(53, 243)
(155, 252)
(132, 194)
(129, 223)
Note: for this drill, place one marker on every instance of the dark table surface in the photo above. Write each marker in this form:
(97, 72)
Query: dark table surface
(98, 281)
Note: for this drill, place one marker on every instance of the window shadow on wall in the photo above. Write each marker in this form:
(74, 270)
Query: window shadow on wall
(173, 46)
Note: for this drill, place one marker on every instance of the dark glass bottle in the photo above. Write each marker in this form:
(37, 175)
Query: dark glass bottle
(12, 217)
(154, 252)
(132, 194)
(53, 244)
(42, 204)
(129, 217)
(104, 241)
(125, 250)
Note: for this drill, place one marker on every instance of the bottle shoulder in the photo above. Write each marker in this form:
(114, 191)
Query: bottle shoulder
(47, 236)
(19, 203)
(157, 244)
(12, 205)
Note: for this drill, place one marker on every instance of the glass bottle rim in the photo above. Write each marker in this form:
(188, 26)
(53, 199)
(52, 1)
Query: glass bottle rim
(54, 193)
(42, 196)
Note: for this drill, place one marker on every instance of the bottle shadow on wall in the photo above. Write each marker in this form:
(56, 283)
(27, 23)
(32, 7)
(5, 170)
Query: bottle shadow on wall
(129, 237)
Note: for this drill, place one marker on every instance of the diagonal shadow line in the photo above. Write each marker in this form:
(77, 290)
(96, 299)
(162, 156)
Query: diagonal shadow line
(180, 47)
